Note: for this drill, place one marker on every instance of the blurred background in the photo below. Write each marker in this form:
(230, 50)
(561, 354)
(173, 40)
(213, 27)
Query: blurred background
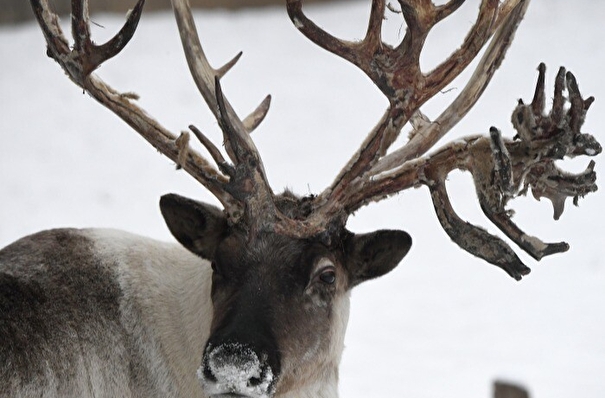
(15, 11)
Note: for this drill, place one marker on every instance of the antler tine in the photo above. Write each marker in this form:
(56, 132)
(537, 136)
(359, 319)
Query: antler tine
(539, 101)
(373, 38)
(231, 129)
(80, 29)
(56, 43)
(473, 239)
(445, 10)
(576, 111)
(253, 120)
(214, 152)
(319, 36)
(478, 35)
(557, 111)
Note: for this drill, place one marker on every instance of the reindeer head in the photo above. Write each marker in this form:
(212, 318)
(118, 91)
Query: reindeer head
(280, 303)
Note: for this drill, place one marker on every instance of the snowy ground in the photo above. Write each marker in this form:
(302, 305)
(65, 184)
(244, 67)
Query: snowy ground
(443, 324)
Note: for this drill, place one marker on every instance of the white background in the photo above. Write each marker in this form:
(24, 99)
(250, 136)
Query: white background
(443, 324)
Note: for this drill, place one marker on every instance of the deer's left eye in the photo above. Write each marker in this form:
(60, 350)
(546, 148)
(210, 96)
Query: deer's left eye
(328, 276)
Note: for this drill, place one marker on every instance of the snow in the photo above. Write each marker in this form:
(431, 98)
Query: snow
(234, 365)
(297, 23)
(443, 324)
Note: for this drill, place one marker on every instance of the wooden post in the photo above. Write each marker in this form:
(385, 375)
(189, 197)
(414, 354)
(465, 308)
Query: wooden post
(504, 389)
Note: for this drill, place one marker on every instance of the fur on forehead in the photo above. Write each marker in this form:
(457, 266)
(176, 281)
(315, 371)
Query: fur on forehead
(273, 247)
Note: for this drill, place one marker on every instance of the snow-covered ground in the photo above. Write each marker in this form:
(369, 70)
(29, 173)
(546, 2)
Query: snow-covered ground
(441, 325)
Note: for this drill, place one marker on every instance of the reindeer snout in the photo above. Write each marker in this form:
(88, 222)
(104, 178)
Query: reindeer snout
(234, 368)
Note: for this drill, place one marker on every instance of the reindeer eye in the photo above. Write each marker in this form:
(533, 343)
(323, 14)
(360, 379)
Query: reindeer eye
(328, 276)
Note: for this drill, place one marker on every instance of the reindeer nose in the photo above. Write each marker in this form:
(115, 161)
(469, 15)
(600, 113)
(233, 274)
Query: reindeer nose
(233, 368)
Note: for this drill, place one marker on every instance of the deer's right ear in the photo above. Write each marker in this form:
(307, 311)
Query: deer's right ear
(197, 226)
(375, 254)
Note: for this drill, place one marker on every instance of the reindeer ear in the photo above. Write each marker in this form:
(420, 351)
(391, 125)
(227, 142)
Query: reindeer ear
(197, 226)
(375, 254)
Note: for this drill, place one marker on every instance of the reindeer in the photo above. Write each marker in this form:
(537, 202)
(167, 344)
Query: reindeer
(254, 300)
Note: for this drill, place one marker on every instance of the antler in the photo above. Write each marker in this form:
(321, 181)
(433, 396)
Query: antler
(502, 169)
(241, 186)
(80, 61)
(396, 72)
